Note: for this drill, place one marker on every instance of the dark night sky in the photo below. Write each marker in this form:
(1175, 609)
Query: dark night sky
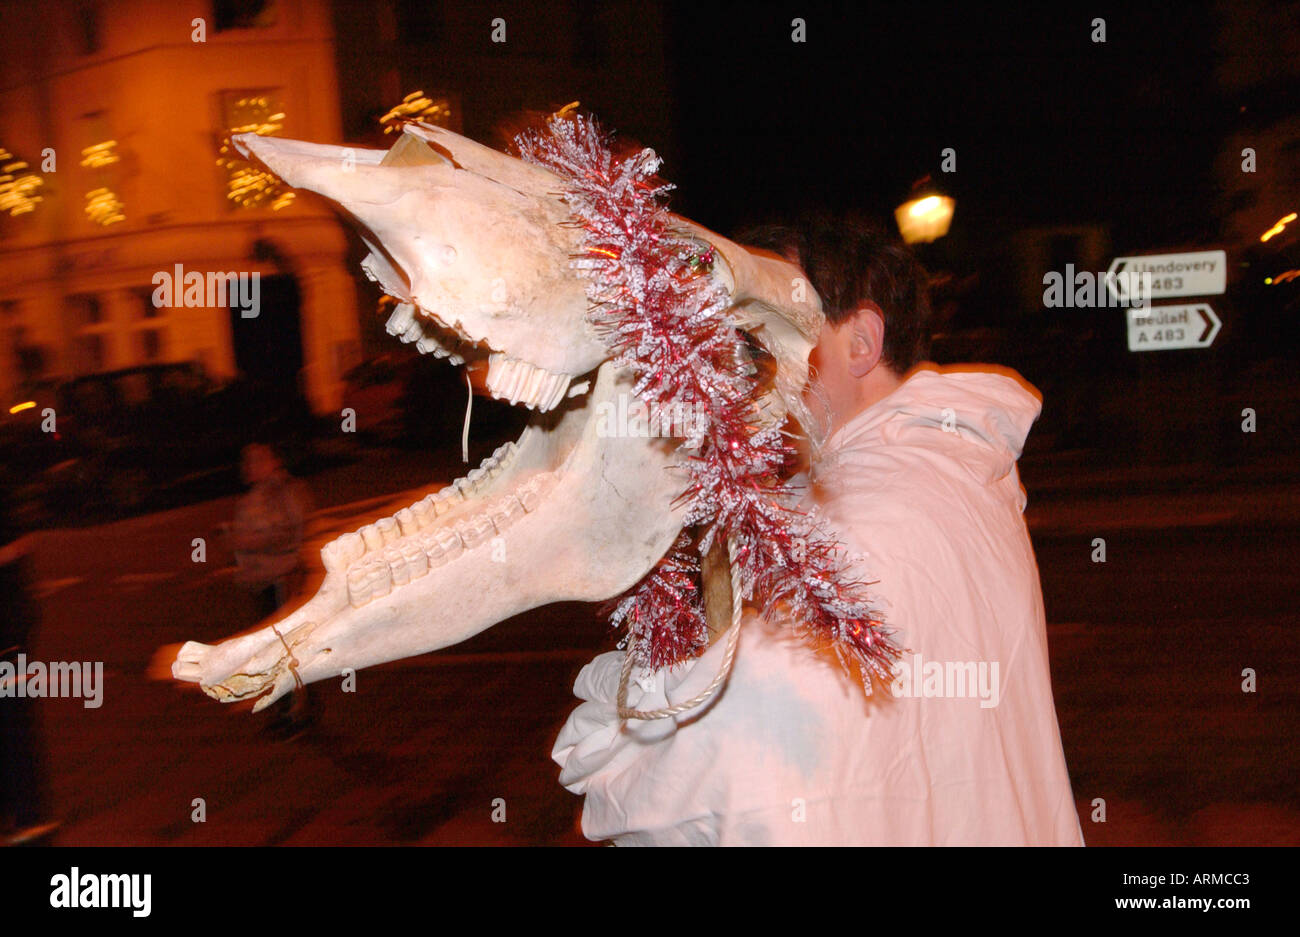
(1048, 126)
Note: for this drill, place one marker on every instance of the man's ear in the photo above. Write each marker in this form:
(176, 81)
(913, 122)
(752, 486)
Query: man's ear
(868, 339)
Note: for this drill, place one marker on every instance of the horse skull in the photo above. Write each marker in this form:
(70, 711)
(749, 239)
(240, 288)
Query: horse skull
(475, 246)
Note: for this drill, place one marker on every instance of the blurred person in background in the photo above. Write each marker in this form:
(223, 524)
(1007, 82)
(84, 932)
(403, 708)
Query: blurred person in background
(266, 538)
(268, 529)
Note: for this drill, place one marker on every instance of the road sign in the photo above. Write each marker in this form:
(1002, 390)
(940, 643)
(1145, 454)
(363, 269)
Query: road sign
(1161, 328)
(1197, 273)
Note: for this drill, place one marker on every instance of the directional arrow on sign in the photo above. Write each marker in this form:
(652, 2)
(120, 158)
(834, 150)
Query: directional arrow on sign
(1163, 328)
(1195, 273)
(1212, 326)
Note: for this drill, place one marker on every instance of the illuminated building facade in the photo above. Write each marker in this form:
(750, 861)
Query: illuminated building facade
(112, 173)
(134, 104)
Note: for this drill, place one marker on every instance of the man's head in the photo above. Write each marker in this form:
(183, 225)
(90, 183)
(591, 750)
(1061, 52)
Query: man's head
(877, 307)
(259, 463)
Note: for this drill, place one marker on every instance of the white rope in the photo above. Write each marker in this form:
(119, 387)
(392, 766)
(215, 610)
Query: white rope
(469, 406)
(724, 671)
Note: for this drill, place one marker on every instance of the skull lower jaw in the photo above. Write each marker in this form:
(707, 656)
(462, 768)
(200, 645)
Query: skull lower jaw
(600, 512)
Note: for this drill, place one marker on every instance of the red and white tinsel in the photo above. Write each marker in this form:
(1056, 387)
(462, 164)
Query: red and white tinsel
(665, 318)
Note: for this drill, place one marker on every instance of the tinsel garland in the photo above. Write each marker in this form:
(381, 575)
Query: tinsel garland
(663, 317)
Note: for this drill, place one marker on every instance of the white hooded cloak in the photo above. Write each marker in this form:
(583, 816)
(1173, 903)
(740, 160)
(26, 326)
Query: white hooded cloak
(962, 749)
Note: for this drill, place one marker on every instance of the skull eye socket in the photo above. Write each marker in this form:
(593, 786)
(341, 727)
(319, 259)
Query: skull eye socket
(759, 362)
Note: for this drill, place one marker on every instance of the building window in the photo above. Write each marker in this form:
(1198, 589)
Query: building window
(150, 327)
(243, 14)
(419, 21)
(19, 185)
(86, 327)
(84, 310)
(101, 161)
(149, 345)
(419, 106)
(89, 353)
(86, 28)
(14, 334)
(261, 112)
(144, 305)
(28, 360)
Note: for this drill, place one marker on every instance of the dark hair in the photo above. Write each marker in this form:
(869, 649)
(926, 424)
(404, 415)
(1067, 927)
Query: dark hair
(852, 261)
(778, 238)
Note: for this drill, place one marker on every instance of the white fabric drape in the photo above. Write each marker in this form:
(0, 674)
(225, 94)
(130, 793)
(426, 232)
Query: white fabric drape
(922, 489)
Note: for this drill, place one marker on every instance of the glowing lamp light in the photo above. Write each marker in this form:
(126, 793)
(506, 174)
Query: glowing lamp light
(20, 407)
(1277, 228)
(924, 219)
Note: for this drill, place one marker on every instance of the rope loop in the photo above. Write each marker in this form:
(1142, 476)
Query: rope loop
(729, 658)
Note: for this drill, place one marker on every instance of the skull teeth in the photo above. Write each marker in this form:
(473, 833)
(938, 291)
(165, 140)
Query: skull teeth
(415, 557)
(403, 318)
(475, 531)
(407, 326)
(520, 382)
(508, 378)
(530, 492)
(393, 551)
(371, 537)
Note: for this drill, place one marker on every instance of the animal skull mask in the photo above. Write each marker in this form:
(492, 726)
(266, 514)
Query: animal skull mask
(476, 247)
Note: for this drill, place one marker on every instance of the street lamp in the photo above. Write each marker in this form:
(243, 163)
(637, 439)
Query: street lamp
(926, 216)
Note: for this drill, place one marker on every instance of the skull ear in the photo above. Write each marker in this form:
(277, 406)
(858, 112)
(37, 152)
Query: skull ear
(523, 177)
(761, 285)
(412, 151)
